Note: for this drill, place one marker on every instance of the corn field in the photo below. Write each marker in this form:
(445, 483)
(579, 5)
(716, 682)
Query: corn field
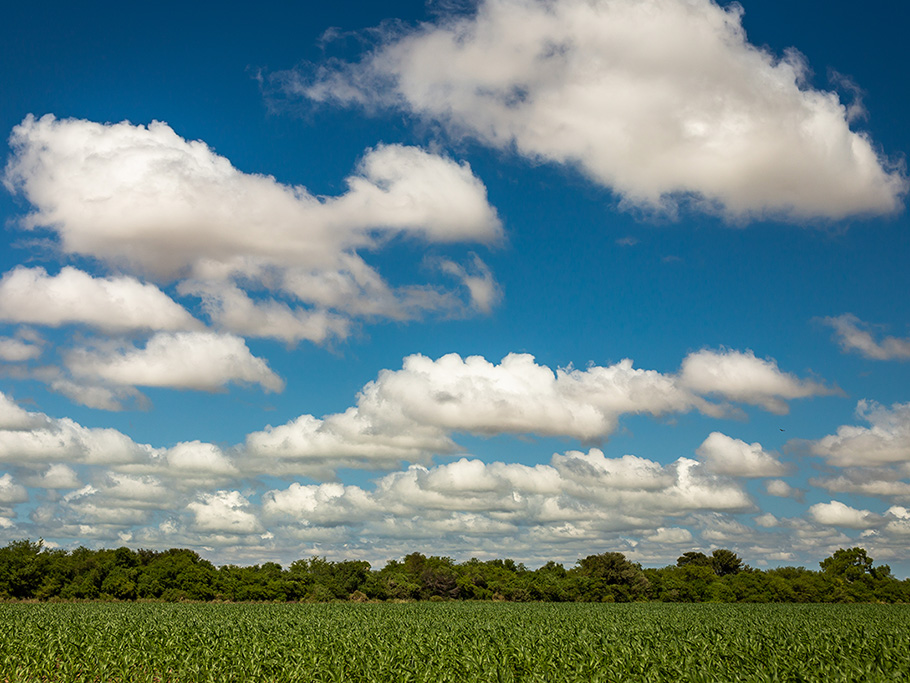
(438, 642)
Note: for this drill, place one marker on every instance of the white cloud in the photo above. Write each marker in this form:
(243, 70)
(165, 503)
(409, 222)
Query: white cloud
(898, 522)
(144, 198)
(316, 447)
(538, 512)
(655, 99)
(15, 418)
(63, 440)
(185, 360)
(33, 438)
(11, 492)
(94, 395)
(413, 413)
(14, 350)
(725, 455)
(837, 514)
(670, 536)
(886, 441)
(224, 512)
(230, 308)
(323, 504)
(115, 304)
(852, 337)
(196, 457)
(883, 482)
(781, 489)
(114, 492)
(188, 467)
(146, 492)
(722, 529)
(57, 476)
(580, 494)
(482, 287)
(357, 289)
(740, 376)
(767, 520)
(520, 396)
(409, 414)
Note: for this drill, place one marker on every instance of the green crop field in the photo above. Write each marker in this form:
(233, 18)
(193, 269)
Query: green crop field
(437, 642)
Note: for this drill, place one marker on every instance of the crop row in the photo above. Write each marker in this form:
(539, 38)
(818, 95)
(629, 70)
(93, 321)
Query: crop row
(453, 642)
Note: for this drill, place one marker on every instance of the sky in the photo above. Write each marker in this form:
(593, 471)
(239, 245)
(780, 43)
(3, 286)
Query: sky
(512, 278)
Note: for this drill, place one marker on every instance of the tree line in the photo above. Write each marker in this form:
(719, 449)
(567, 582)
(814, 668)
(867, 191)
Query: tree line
(31, 571)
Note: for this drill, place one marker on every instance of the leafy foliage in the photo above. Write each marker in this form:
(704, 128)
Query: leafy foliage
(28, 570)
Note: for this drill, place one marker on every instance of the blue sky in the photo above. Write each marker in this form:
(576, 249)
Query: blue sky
(508, 279)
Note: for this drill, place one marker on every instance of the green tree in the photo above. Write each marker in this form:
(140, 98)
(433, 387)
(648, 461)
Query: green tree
(693, 558)
(610, 576)
(549, 583)
(21, 568)
(850, 565)
(725, 562)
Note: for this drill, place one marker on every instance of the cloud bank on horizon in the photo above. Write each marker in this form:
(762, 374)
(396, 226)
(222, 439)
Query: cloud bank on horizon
(145, 268)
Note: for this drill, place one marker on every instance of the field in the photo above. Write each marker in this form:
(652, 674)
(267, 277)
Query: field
(437, 642)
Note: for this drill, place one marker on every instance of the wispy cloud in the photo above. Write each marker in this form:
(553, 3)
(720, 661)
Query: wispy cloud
(853, 334)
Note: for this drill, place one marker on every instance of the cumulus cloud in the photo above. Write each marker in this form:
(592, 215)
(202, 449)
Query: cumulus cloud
(317, 447)
(898, 522)
(143, 198)
(57, 476)
(520, 396)
(63, 440)
(115, 304)
(320, 505)
(410, 414)
(128, 483)
(577, 499)
(95, 395)
(885, 441)
(740, 376)
(413, 413)
(141, 492)
(539, 512)
(781, 489)
(766, 520)
(656, 99)
(113, 503)
(11, 492)
(183, 360)
(196, 457)
(28, 438)
(687, 486)
(358, 289)
(719, 528)
(670, 536)
(852, 334)
(881, 482)
(147, 197)
(836, 513)
(14, 418)
(232, 309)
(224, 512)
(17, 350)
(583, 491)
(725, 455)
